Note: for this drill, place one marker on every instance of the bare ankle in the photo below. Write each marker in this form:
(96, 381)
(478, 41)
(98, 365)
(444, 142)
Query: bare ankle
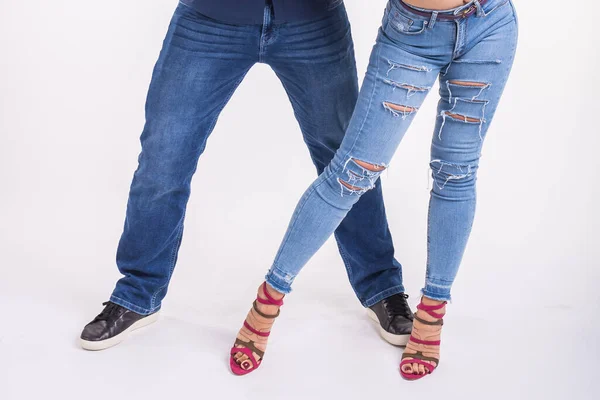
(273, 292)
(431, 302)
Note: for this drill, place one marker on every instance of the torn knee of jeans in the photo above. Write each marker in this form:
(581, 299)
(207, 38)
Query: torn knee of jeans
(406, 86)
(369, 166)
(465, 89)
(353, 189)
(417, 68)
(350, 187)
(445, 172)
(399, 110)
(468, 83)
(410, 89)
(466, 111)
(463, 118)
(359, 176)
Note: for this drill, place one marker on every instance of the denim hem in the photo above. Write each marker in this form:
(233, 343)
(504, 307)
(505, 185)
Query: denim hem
(383, 295)
(434, 293)
(344, 256)
(133, 307)
(277, 282)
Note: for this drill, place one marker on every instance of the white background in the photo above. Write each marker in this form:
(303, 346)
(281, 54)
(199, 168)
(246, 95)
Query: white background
(525, 320)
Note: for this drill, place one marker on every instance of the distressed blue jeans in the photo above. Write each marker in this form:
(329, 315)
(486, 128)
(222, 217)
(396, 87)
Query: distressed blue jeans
(201, 64)
(472, 58)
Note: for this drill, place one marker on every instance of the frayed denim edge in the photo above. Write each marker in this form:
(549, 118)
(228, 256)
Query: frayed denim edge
(133, 307)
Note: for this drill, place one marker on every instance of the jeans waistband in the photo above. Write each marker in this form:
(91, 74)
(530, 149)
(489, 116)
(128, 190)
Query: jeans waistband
(460, 12)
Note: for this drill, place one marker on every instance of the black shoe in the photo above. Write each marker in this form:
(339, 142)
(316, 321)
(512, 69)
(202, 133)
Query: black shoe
(112, 326)
(394, 317)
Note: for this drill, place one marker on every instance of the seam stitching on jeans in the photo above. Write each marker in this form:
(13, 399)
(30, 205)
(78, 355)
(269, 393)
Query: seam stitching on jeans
(344, 255)
(172, 262)
(261, 48)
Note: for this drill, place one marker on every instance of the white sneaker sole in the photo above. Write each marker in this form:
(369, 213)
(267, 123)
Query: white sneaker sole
(115, 340)
(396, 340)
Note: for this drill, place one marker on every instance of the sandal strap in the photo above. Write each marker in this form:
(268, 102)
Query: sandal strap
(247, 345)
(270, 300)
(247, 352)
(425, 342)
(430, 309)
(425, 322)
(426, 307)
(255, 331)
(419, 356)
(429, 366)
(262, 314)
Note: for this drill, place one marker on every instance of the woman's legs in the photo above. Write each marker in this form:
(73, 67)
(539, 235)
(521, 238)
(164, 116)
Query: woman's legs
(470, 89)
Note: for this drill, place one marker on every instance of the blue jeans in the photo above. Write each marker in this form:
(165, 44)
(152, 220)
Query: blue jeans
(472, 57)
(200, 66)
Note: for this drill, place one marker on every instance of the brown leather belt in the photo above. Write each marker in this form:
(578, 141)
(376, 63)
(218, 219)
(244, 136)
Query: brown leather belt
(445, 16)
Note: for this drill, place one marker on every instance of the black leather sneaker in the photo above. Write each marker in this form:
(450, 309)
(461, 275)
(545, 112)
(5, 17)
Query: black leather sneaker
(112, 326)
(394, 317)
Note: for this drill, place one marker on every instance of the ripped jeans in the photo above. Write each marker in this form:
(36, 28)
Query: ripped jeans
(472, 58)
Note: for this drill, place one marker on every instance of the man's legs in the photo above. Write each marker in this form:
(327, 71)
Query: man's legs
(201, 64)
(315, 62)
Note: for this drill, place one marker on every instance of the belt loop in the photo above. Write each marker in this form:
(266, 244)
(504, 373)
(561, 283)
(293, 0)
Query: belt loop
(480, 12)
(432, 20)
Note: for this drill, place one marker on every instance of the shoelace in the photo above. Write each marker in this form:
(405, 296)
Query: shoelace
(397, 305)
(110, 310)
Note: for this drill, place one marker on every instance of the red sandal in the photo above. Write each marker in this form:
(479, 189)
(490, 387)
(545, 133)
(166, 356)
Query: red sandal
(249, 347)
(418, 357)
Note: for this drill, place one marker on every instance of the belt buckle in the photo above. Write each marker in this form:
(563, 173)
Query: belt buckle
(468, 11)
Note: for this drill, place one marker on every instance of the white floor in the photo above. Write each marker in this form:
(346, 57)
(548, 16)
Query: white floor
(323, 346)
